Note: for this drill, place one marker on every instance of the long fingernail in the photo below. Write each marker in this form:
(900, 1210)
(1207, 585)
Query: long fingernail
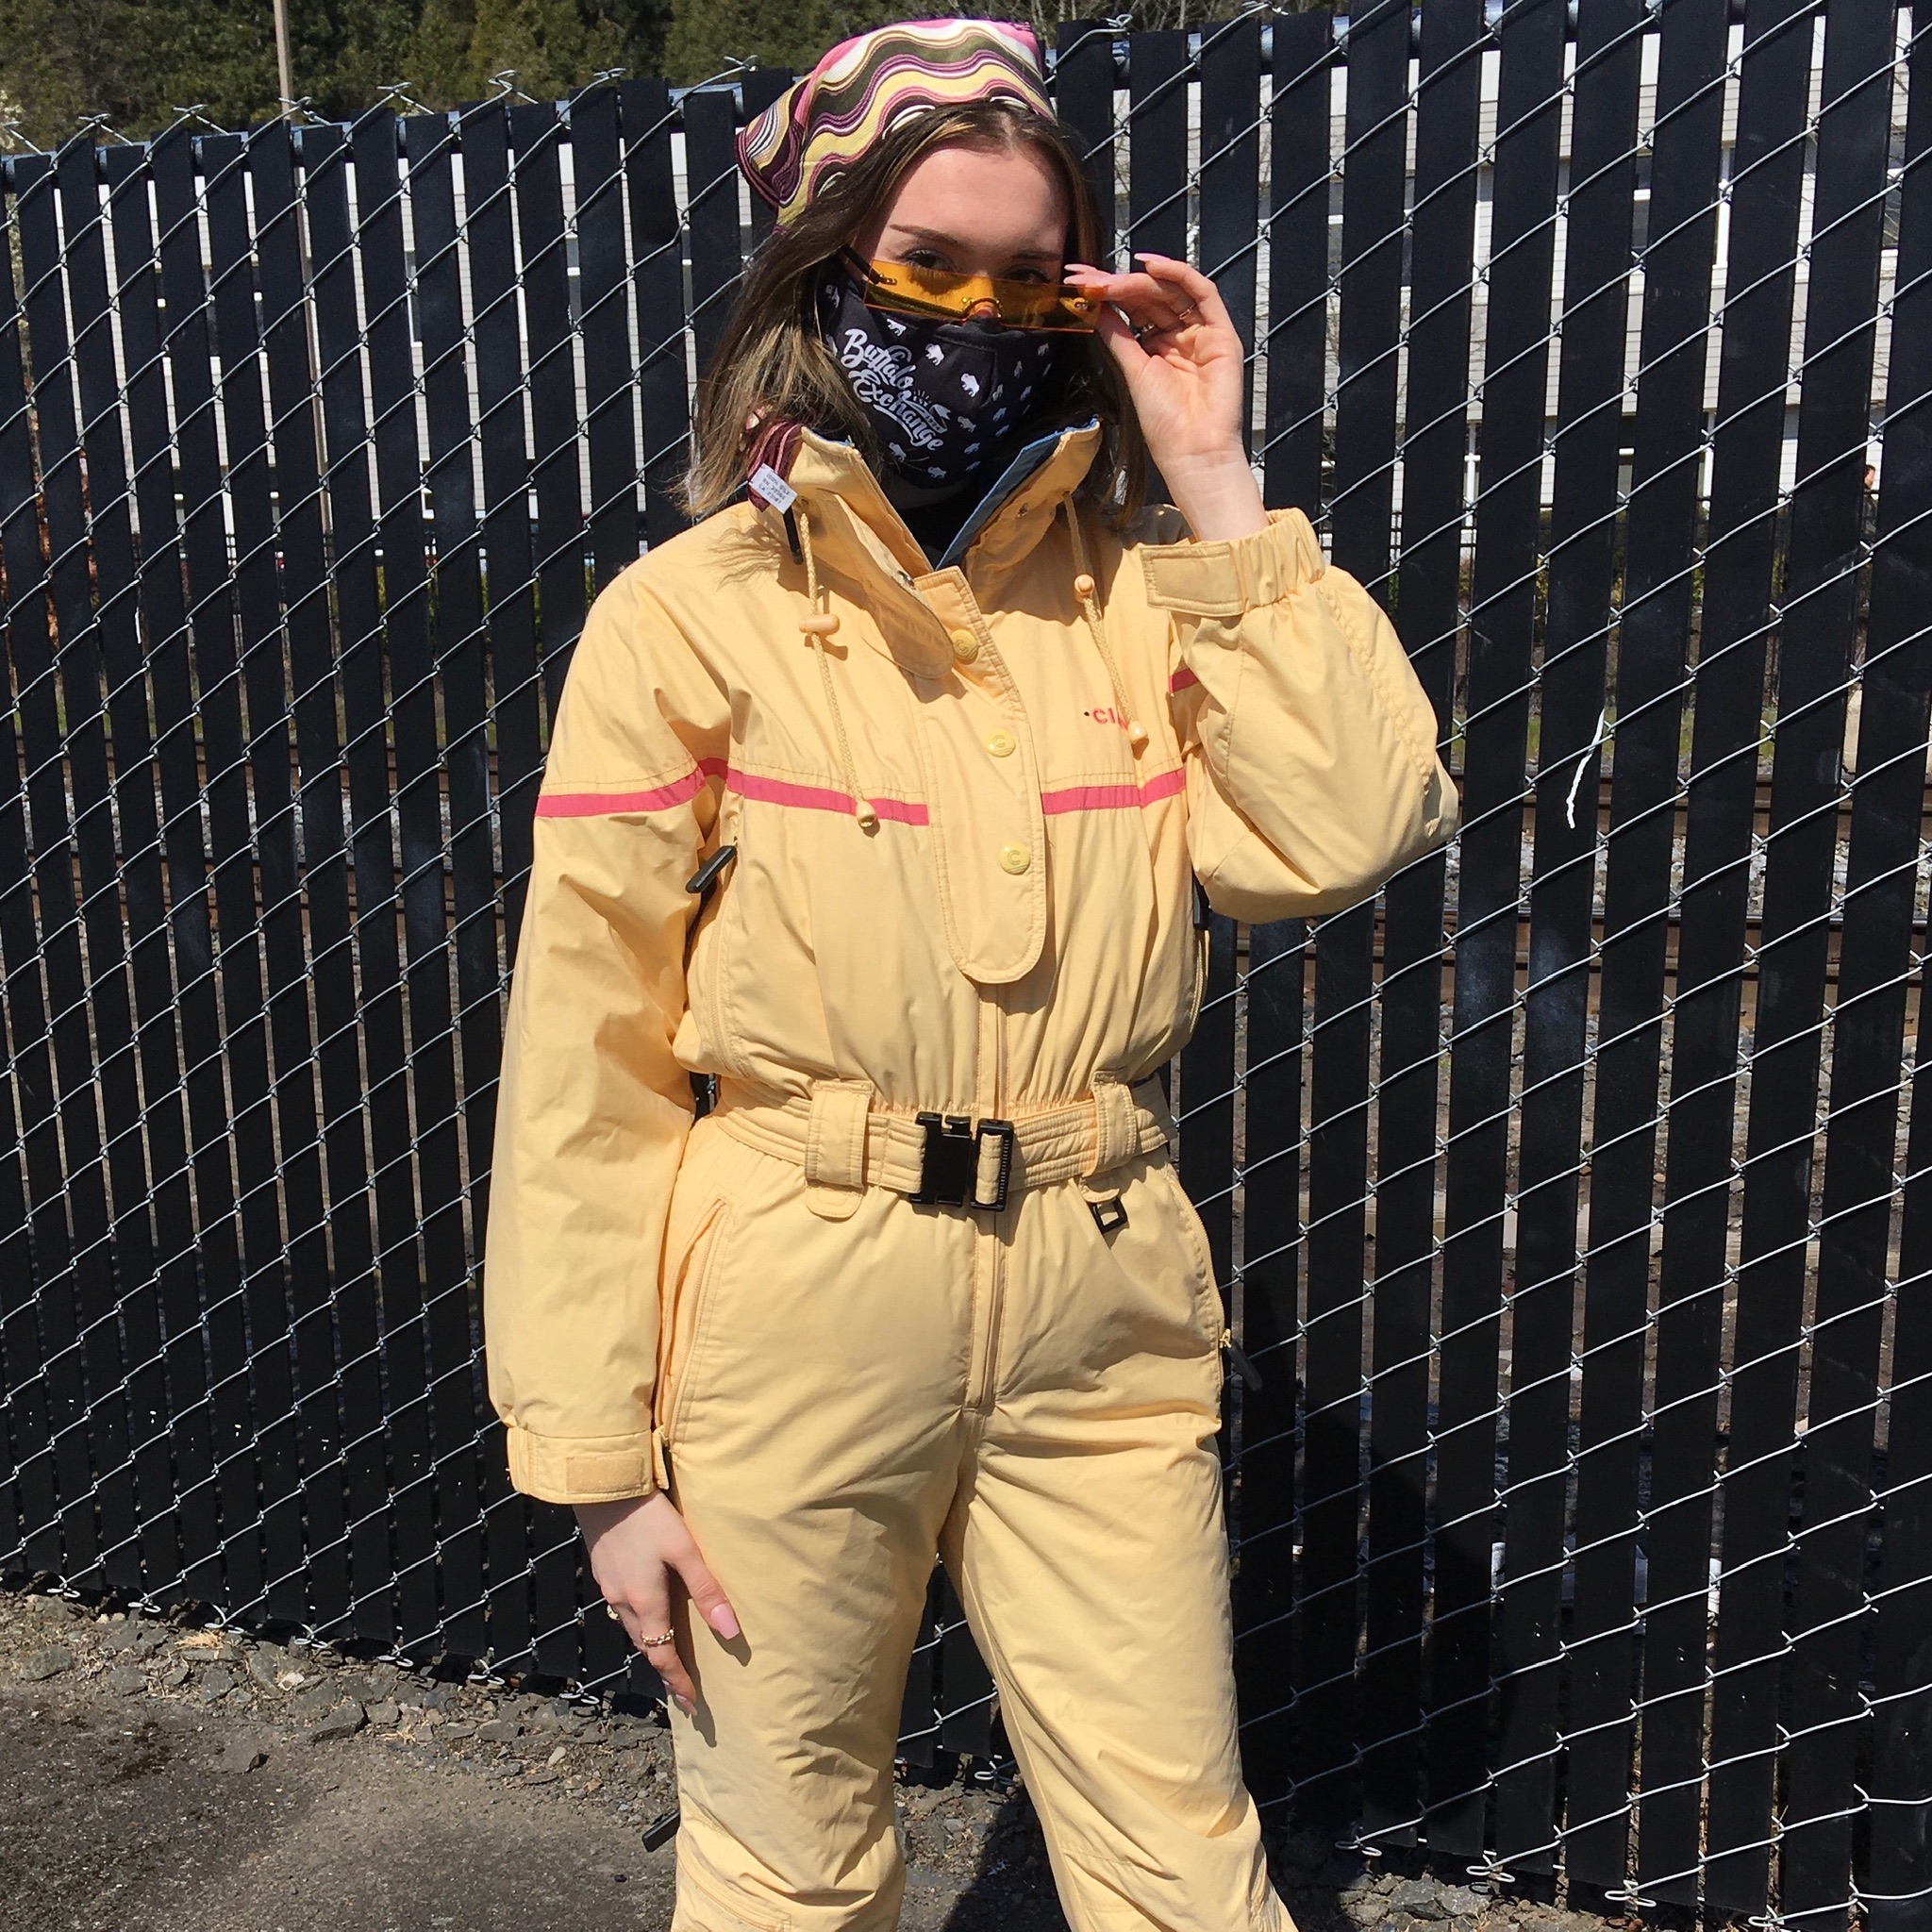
(684, 1705)
(723, 1622)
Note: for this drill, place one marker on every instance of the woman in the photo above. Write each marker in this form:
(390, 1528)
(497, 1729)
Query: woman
(880, 796)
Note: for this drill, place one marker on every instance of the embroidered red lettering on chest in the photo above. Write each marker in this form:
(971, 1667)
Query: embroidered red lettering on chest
(1106, 714)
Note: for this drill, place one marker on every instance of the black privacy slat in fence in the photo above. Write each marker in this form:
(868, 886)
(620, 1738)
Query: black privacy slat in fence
(1883, 871)
(161, 866)
(1581, 578)
(1288, 444)
(353, 1483)
(1818, 600)
(1767, 175)
(1484, 1069)
(658, 282)
(1429, 599)
(545, 366)
(50, 1027)
(1570, 1198)
(1364, 389)
(1636, 874)
(83, 1325)
(356, 693)
(153, 1234)
(459, 664)
(98, 455)
(255, 836)
(1821, 602)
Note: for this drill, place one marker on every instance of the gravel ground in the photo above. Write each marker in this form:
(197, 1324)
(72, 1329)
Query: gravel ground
(157, 1777)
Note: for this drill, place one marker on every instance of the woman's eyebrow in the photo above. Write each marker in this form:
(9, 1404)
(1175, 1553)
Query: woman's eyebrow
(939, 239)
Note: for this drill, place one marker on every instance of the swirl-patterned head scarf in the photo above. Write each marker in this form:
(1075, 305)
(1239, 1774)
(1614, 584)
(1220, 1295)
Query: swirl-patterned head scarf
(868, 84)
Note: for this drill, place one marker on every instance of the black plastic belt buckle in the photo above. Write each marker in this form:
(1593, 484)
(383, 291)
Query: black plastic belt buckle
(949, 1166)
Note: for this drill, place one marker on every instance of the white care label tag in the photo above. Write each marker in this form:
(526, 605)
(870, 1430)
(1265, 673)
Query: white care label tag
(772, 489)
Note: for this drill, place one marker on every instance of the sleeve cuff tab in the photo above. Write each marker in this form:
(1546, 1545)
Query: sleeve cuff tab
(593, 1469)
(1228, 579)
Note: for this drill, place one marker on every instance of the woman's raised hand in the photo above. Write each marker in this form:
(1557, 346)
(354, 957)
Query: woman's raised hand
(636, 1545)
(1181, 356)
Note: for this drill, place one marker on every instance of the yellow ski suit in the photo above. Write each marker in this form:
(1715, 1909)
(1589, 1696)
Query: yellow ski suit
(1049, 742)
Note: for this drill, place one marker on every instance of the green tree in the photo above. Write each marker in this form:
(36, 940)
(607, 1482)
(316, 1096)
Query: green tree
(437, 63)
(137, 62)
(551, 46)
(548, 44)
(706, 36)
(61, 62)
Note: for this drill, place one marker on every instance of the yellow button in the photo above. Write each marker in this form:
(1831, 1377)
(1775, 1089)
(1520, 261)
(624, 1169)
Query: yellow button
(1000, 743)
(965, 646)
(1014, 859)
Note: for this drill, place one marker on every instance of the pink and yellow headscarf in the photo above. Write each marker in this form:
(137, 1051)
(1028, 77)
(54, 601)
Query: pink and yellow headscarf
(867, 85)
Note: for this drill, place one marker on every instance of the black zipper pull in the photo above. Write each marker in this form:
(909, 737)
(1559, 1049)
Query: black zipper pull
(1237, 1356)
(706, 875)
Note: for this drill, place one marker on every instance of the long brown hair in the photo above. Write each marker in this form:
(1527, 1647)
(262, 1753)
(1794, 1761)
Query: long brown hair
(772, 364)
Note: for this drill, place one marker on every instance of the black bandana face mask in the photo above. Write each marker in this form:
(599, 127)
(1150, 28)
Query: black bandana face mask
(947, 399)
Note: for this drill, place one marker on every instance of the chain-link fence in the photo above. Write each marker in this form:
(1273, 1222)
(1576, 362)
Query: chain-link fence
(1575, 1199)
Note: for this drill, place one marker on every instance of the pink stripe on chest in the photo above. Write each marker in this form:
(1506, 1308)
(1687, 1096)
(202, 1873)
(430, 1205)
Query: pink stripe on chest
(818, 798)
(789, 792)
(1113, 797)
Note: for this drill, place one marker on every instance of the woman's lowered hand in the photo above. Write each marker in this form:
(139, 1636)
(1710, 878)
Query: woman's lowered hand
(636, 1546)
(1186, 373)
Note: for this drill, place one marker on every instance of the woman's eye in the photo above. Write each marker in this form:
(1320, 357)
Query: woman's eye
(923, 257)
(1024, 273)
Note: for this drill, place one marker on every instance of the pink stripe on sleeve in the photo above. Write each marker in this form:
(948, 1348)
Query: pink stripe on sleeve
(585, 805)
(1182, 680)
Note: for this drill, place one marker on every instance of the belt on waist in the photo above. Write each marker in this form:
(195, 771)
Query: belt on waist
(846, 1141)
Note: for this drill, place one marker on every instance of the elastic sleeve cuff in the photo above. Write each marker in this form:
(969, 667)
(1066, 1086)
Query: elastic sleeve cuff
(1230, 578)
(580, 1468)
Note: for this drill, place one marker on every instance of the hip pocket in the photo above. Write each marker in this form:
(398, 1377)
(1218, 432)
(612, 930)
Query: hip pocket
(1209, 1317)
(1200, 955)
(683, 1319)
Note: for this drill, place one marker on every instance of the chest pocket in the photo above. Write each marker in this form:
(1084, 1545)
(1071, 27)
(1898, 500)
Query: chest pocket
(988, 833)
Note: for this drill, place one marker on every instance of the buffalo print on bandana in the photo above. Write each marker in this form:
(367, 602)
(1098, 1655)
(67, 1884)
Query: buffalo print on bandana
(945, 398)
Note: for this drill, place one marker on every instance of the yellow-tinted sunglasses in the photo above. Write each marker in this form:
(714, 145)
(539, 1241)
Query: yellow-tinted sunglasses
(897, 287)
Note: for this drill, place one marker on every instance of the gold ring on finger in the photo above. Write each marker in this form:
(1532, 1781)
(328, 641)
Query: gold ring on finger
(659, 1642)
